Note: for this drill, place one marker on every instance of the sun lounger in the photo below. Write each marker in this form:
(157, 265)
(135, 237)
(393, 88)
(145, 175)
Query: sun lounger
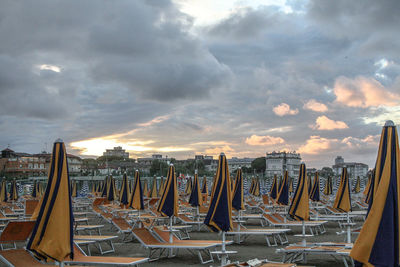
(19, 257)
(99, 239)
(295, 253)
(277, 234)
(89, 228)
(81, 258)
(16, 232)
(155, 246)
(123, 227)
(30, 206)
(186, 220)
(316, 225)
(163, 234)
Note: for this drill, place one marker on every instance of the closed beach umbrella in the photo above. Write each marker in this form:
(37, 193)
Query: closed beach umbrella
(367, 186)
(111, 189)
(256, 190)
(299, 208)
(188, 188)
(153, 193)
(145, 189)
(195, 199)
(370, 188)
(274, 189)
(106, 184)
(379, 240)
(74, 189)
(309, 185)
(52, 236)
(204, 188)
(161, 188)
(315, 189)
(343, 199)
(168, 205)
(3, 191)
(252, 185)
(357, 186)
(136, 201)
(14, 191)
(237, 199)
(283, 194)
(219, 215)
(124, 193)
(328, 186)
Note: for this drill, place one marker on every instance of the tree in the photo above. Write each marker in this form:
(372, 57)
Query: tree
(158, 167)
(259, 164)
(326, 171)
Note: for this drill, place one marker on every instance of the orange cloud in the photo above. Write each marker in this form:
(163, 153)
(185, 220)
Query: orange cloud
(316, 106)
(363, 92)
(324, 123)
(284, 109)
(315, 144)
(217, 150)
(353, 142)
(256, 140)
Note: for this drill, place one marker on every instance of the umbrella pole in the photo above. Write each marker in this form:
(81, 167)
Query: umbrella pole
(223, 254)
(304, 243)
(170, 235)
(348, 229)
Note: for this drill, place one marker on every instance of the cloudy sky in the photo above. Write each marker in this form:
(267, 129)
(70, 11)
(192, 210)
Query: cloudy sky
(184, 77)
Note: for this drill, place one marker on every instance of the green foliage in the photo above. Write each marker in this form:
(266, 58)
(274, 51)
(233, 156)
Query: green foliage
(259, 164)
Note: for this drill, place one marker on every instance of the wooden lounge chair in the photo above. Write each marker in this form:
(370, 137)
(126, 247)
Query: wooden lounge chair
(123, 227)
(81, 258)
(309, 224)
(162, 233)
(155, 246)
(16, 232)
(98, 239)
(30, 206)
(19, 257)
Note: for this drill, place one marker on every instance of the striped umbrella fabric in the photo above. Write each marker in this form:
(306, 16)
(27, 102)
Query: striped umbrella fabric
(357, 186)
(291, 187)
(14, 191)
(111, 189)
(195, 199)
(256, 190)
(283, 194)
(74, 189)
(378, 243)
(145, 189)
(106, 185)
(52, 236)
(309, 185)
(274, 189)
(204, 188)
(136, 201)
(168, 205)
(237, 199)
(343, 198)
(161, 187)
(188, 188)
(299, 208)
(153, 193)
(3, 191)
(219, 215)
(315, 189)
(252, 185)
(366, 189)
(124, 193)
(328, 186)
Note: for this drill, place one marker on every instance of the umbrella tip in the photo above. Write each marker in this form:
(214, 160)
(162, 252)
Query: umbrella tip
(195, 171)
(171, 165)
(59, 140)
(222, 154)
(389, 123)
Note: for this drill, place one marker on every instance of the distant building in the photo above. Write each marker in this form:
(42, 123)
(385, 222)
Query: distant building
(278, 162)
(354, 169)
(16, 164)
(234, 163)
(116, 152)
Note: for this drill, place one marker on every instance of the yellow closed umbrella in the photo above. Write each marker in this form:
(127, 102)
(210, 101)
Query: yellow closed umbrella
(52, 236)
